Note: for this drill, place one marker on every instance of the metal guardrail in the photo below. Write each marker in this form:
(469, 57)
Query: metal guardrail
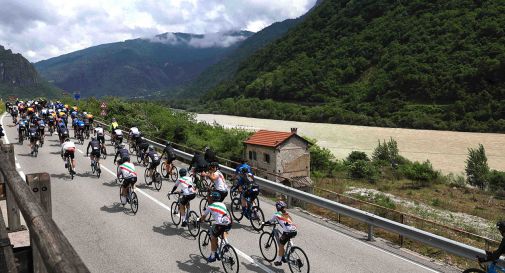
(372, 220)
(57, 254)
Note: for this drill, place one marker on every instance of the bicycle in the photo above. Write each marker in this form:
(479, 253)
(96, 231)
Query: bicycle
(142, 158)
(491, 267)
(86, 131)
(95, 167)
(253, 212)
(225, 252)
(21, 135)
(174, 174)
(201, 184)
(295, 257)
(131, 198)
(103, 151)
(132, 147)
(191, 216)
(51, 130)
(35, 148)
(80, 137)
(70, 168)
(155, 178)
(119, 175)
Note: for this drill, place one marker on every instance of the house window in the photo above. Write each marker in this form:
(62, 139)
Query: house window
(250, 155)
(254, 155)
(266, 158)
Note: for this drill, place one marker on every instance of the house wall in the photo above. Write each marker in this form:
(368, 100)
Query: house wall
(259, 162)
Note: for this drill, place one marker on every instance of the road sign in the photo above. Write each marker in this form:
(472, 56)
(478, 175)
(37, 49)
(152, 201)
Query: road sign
(103, 105)
(103, 113)
(77, 96)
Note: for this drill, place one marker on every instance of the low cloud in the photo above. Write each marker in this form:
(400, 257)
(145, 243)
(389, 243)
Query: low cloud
(41, 29)
(219, 39)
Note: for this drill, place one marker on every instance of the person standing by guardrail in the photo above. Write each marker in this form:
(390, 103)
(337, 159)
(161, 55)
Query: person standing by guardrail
(493, 256)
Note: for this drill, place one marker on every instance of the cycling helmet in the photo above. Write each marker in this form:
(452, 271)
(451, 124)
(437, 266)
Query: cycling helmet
(501, 226)
(280, 205)
(214, 164)
(206, 148)
(113, 119)
(121, 145)
(215, 196)
(151, 148)
(67, 139)
(244, 170)
(183, 172)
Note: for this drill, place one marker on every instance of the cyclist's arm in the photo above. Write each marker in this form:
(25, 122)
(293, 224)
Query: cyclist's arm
(87, 149)
(175, 187)
(115, 157)
(496, 254)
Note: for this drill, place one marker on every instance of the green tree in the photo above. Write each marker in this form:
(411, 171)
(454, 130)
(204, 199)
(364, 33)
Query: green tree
(477, 168)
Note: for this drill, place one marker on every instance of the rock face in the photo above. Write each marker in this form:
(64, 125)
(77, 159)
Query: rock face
(15, 70)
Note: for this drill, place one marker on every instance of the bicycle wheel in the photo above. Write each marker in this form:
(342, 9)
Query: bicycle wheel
(70, 170)
(204, 244)
(474, 270)
(175, 174)
(256, 202)
(120, 190)
(229, 259)
(174, 213)
(257, 218)
(236, 209)
(157, 181)
(297, 260)
(163, 170)
(120, 177)
(147, 178)
(131, 148)
(203, 205)
(145, 162)
(193, 225)
(98, 170)
(93, 168)
(104, 153)
(268, 246)
(139, 159)
(134, 202)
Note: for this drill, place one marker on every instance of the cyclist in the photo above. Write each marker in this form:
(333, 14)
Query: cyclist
(222, 222)
(142, 147)
(64, 134)
(248, 190)
(91, 119)
(14, 114)
(123, 155)
(209, 155)
(285, 222)
(130, 178)
(117, 136)
(218, 181)
(188, 193)
(33, 135)
(22, 128)
(198, 162)
(134, 134)
(41, 128)
(154, 160)
(493, 256)
(86, 121)
(100, 135)
(68, 150)
(169, 154)
(80, 128)
(75, 122)
(95, 150)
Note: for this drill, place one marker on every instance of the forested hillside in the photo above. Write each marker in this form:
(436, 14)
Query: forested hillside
(139, 67)
(19, 78)
(437, 64)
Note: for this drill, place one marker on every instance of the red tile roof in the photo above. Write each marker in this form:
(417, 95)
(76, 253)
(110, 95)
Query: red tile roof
(268, 138)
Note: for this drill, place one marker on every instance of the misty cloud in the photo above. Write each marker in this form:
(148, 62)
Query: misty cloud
(219, 39)
(47, 28)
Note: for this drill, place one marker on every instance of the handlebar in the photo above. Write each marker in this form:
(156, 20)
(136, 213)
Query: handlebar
(168, 195)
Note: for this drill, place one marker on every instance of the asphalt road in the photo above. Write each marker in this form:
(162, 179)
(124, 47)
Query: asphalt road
(110, 239)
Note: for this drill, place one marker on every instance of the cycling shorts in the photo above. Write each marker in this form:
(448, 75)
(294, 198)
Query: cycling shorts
(218, 230)
(186, 198)
(123, 160)
(170, 159)
(128, 181)
(286, 236)
(95, 153)
(101, 139)
(223, 195)
(252, 192)
(69, 153)
(154, 164)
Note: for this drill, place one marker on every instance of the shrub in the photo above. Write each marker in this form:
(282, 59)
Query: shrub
(320, 159)
(496, 181)
(357, 155)
(477, 169)
(387, 152)
(423, 173)
(362, 169)
(457, 181)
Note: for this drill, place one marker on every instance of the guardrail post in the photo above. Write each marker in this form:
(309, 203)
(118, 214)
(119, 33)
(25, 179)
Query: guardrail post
(13, 214)
(401, 236)
(370, 233)
(337, 199)
(7, 259)
(40, 184)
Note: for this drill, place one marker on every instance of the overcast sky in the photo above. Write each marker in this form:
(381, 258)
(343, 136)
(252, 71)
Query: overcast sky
(41, 29)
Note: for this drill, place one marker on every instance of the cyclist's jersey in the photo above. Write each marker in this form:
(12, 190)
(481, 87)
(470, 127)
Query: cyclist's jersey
(68, 146)
(169, 151)
(244, 165)
(75, 121)
(42, 125)
(128, 170)
(95, 146)
(86, 121)
(99, 131)
(80, 124)
(153, 156)
(22, 124)
(284, 221)
(114, 126)
(122, 153)
(220, 183)
(117, 132)
(32, 132)
(44, 111)
(219, 213)
(73, 114)
(186, 184)
(64, 132)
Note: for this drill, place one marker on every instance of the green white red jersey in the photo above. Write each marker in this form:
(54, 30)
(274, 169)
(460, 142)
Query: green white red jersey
(284, 221)
(186, 185)
(128, 170)
(219, 213)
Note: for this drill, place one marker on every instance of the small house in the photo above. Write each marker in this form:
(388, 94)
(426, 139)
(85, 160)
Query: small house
(285, 154)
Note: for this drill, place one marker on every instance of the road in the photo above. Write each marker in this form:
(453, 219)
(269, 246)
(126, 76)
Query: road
(110, 239)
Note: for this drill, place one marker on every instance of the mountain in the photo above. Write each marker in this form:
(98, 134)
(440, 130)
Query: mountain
(139, 67)
(228, 66)
(19, 78)
(422, 64)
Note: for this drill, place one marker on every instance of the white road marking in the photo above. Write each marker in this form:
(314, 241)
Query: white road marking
(22, 174)
(18, 166)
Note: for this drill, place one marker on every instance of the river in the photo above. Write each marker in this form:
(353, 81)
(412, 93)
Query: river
(446, 150)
